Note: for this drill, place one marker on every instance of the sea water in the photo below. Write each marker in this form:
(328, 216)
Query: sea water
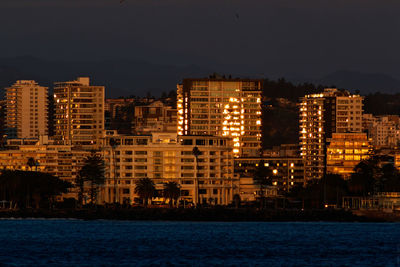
(36, 242)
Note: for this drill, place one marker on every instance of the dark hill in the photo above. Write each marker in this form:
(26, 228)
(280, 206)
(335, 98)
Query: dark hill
(121, 77)
(364, 82)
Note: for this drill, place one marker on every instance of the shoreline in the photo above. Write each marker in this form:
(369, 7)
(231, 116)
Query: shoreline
(202, 215)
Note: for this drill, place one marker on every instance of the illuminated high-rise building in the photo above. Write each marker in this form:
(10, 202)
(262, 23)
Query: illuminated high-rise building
(333, 111)
(26, 110)
(79, 113)
(222, 107)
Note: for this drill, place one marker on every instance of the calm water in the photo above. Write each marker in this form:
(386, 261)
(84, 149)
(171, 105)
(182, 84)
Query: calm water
(121, 243)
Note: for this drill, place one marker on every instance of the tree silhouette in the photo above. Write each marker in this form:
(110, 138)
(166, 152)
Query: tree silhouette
(80, 184)
(93, 172)
(31, 163)
(196, 153)
(24, 187)
(237, 200)
(146, 189)
(362, 181)
(389, 181)
(172, 191)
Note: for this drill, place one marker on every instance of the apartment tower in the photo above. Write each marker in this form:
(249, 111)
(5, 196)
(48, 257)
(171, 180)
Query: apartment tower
(333, 111)
(79, 113)
(222, 107)
(26, 110)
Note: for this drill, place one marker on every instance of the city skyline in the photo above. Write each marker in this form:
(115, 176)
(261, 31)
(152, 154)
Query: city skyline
(334, 135)
(199, 133)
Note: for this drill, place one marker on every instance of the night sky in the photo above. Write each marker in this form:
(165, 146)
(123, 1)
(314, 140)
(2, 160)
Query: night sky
(304, 38)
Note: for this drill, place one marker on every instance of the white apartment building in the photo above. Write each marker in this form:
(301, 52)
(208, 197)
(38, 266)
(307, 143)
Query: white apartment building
(26, 110)
(79, 113)
(165, 157)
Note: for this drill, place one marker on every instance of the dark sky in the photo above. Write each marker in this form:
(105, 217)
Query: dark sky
(297, 38)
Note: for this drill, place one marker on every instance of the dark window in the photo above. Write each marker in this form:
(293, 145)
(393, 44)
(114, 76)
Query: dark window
(200, 142)
(202, 191)
(187, 142)
(125, 191)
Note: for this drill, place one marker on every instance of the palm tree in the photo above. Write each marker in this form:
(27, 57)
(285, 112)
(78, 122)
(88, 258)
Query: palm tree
(79, 182)
(113, 144)
(172, 191)
(93, 172)
(146, 189)
(196, 153)
(31, 163)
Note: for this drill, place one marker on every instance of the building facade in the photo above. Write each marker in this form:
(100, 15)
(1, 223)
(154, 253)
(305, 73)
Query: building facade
(164, 157)
(384, 131)
(222, 107)
(62, 161)
(321, 115)
(155, 117)
(79, 113)
(345, 151)
(119, 114)
(286, 172)
(26, 110)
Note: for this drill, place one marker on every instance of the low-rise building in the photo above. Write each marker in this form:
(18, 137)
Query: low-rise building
(164, 157)
(345, 151)
(384, 131)
(287, 172)
(382, 201)
(155, 117)
(58, 160)
(250, 191)
(119, 114)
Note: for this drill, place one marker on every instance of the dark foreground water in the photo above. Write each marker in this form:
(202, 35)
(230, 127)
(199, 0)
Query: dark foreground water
(123, 243)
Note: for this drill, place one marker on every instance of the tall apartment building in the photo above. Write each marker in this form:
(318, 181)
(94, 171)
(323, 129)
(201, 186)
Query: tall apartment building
(222, 107)
(165, 157)
(384, 131)
(26, 110)
(321, 115)
(79, 113)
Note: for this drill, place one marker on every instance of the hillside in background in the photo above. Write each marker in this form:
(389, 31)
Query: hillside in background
(135, 77)
(364, 82)
(121, 77)
(129, 77)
